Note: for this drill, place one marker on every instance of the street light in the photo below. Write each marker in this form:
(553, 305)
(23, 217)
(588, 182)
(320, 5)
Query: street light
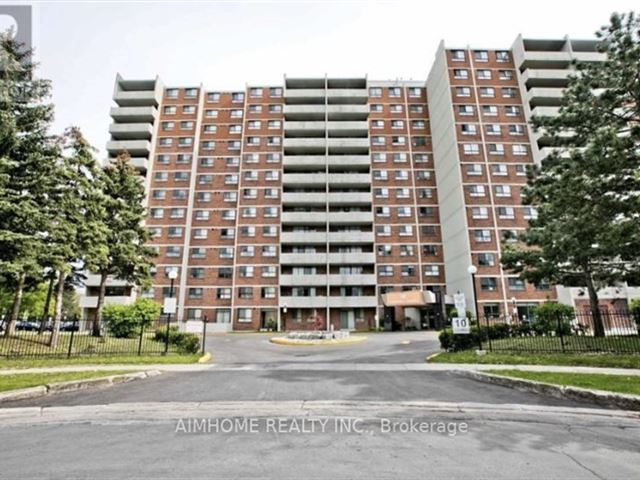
(172, 274)
(472, 269)
(514, 307)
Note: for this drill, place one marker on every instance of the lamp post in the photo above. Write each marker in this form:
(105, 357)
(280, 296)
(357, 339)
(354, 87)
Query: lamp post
(514, 309)
(173, 274)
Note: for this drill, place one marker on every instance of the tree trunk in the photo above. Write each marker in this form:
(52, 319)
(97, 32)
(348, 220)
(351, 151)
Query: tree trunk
(598, 325)
(57, 317)
(97, 321)
(15, 307)
(47, 304)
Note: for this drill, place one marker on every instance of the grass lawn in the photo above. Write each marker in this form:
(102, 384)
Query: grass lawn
(25, 380)
(596, 381)
(572, 343)
(97, 360)
(524, 358)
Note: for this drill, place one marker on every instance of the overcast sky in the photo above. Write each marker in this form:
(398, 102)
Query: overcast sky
(81, 46)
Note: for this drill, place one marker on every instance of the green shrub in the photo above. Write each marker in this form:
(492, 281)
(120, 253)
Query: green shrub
(125, 321)
(552, 317)
(184, 342)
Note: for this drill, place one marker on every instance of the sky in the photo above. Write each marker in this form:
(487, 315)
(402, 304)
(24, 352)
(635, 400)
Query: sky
(225, 45)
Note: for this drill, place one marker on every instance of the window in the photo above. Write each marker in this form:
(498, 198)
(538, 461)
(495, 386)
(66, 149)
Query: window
(156, 213)
(273, 157)
(209, 113)
(375, 92)
(496, 149)
(269, 231)
(406, 230)
(228, 215)
(502, 56)
(377, 140)
(170, 110)
(231, 179)
(183, 158)
(503, 191)
(172, 92)
(425, 193)
(406, 250)
(529, 213)
(403, 193)
(488, 284)
(519, 149)
(481, 55)
(381, 192)
(274, 124)
(395, 108)
(173, 251)
(202, 214)
(471, 149)
(516, 130)
(399, 157)
(512, 111)
(463, 92)
(487, 92)
(203, 179)
(480, 213)
(268, 292)
(237, 97)
(200, 233)
(415, 92)
(493, 129)
(385, 270)
(499, 170)
(383, 230)
(255, 92)
(516, 284)
(378, 157)
(426, 211)
(253, 141)
(191, 93)
(489, 110)
(179, 194)
(230, 196)
(508, 92)
(429, 250)
(457, 55)
(195, 293)
(271, 212)
(474, 169)
(248, 231)
(416, 108)
(250, 193)
(482, 236)
(175, 232)
(166, 126)
(223, 293)
(166, 141)
(161, 176)
(245, 292)
(383, 211)
(401, 175)
(213, 97)
(163, 159)
(196, 272)
(483, 74)
(394, 91)
(384, 250)
(269, 272)
(423, 175)
(417, 124)
(419, 141)
(275, 108)
(397, 124)
(249, 212)
(404, 211)
(244, 315)
(189, 109)
(269, 251)
(505, 74)
(521, 170)
(407, 271)
(506, 213)
(254, 124)
(375, 107)
(469, 129)
(246, 271)
(486, 259)
(225, 253)
(465, 110)
(225, 272)
(431, 270)
(380, 175)
(272, 175)
(460, 73)
(275, 92)
(227, 233)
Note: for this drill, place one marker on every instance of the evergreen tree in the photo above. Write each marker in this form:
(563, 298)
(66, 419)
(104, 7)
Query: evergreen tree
(27, 168)
(123, 254)
(587, 193)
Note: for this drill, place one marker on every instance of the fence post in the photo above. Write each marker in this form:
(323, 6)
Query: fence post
(560, 327)
(140, 340)
(479, 330)
(73, 331)
(489, 334)
(204, 332)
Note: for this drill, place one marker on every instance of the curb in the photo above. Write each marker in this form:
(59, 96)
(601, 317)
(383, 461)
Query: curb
(599, 397)
(433, 355)
(73, 385)
(205, 358)
(290, 342)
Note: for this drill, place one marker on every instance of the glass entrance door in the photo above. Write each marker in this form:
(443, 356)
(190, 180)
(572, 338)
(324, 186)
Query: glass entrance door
(347, 320)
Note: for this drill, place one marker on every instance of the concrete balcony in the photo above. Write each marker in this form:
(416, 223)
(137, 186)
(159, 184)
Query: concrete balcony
(305, 145)
(589, 56)
(337, 280)
(304, 179)
(350, 198)
(534, 77)
(346, 129)
(349, 161)
(350, 258)
(337, 238)
(94, 281)
(347, 95)
(348, 112)
(545, 111)
(546, 97)
(131, 131)
(545, 60)
(135, 98)
(353, 302)
(349, 179)
(303, 302)
(304, 95)
(546, 151)
(304, 198)
(348, 145)
(309, 238)
(134, 114)
(141, 164)
(350, 218)
(308, 162)
(92, 302)
(305, 128)
(303, 258)
(136, 148)
(303, 280)
(304, 112)
(304, 218)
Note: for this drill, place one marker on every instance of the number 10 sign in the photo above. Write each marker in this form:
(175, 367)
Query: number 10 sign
(460, 325)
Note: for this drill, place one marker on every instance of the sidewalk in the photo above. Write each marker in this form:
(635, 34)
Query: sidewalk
(365, 367)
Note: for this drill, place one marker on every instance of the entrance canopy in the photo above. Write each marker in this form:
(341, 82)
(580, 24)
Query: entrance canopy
(410, 298)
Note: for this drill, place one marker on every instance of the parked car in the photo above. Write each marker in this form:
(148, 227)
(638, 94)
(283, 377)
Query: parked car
(69, 327)
(27, 326)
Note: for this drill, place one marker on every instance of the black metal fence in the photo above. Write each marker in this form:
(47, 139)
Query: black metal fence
(34, 338)
(616, 332)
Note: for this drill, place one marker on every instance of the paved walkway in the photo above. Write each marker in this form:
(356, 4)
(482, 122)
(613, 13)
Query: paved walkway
(327, 366)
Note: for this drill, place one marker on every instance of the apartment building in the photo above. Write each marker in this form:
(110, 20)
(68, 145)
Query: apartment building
(350, 203)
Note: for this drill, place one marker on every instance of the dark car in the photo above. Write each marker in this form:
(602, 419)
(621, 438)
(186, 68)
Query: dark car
(27, 326)
(69, 327)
